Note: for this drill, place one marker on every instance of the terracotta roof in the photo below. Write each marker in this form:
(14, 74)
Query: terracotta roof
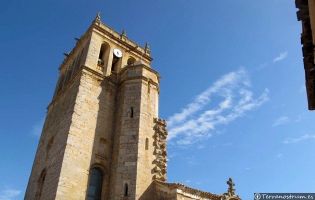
(190, 190)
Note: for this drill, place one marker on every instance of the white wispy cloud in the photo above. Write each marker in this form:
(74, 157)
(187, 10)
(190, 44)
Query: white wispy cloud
(203, 99)
(299, 139)
(200, 117)
(281, 121)
(279, 155)
(37, 128)
(299, 118)
(9, 194)
(224, 145)
(281, 56)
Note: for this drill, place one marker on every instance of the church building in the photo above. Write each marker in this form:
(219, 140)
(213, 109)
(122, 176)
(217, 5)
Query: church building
(102, 138)
(306, 14)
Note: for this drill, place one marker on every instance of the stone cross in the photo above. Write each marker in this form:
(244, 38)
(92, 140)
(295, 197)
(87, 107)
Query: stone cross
(231, 190)
(147, 48)
(123, 34)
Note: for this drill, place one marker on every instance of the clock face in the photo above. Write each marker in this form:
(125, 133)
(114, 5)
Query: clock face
(117, 53)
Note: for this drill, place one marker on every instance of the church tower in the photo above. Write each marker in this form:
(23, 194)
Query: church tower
(102, 138)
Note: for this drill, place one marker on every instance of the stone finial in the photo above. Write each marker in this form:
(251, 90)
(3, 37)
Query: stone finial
(231, 189)
(147, 48)
(98, 18)
(123, 33)
(230, 194)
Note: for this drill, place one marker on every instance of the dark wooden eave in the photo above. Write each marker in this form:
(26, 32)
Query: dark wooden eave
(307, 49)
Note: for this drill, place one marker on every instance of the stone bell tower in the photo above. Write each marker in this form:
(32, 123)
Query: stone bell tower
(102, 138)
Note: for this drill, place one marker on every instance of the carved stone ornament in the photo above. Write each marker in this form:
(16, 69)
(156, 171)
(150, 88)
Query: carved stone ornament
(97, 19)
(160, 161)
(230, 195)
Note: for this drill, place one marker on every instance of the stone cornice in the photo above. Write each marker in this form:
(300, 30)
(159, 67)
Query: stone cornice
(120, 82)
(113, 79)
(83, 70)
(74, 49)
(111, 33)
(138, 78)
(140, 66)
(97, 74)
(62, 92)
(133, 46)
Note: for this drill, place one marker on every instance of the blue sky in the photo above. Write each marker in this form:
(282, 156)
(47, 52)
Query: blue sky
(232, 86)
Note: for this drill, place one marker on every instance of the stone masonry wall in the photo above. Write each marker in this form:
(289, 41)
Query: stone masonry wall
(89, 138)
(78, 133)
(50, 151)
(133, 146)
(148, 112)
(126, 136)
(103, 141)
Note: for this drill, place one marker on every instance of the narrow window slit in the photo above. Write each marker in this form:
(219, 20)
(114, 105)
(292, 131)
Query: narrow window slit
(146, 143)
(131, 112)
(126, 190)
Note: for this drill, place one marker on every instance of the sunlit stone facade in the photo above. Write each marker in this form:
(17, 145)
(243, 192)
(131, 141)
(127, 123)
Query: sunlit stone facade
(102, 138)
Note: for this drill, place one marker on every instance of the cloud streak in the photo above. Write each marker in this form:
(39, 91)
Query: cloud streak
(203, 99)
(224, 101)
(299, 139)
(281, 121)
(282, 56)
(9, 194)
